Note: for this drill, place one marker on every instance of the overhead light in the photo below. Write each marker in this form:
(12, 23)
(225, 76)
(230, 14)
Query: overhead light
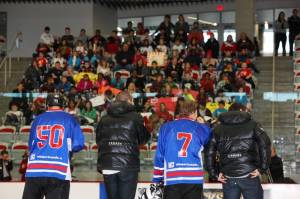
(203, 21)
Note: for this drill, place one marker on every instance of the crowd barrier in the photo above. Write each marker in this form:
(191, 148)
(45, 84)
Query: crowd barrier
(96, 190)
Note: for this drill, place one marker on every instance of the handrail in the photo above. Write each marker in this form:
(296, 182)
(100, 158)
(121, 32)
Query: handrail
(6, 61)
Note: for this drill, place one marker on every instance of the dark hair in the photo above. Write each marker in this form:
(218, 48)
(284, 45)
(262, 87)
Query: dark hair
(123, 96)
(237, 107)
(3, 152)
(187, 108)
(47, 28)
(67, 28)
(221, 102)
(278, 19)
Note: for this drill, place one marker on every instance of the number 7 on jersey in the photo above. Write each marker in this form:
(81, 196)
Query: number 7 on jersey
(187, 137)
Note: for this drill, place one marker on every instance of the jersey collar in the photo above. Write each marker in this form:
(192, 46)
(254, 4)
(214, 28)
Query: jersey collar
(54, 109)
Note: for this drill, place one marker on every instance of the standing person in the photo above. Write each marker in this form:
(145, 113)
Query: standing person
(6, 166)
(281, 26)
(294, 27)
(276, 167)
(178, 161)
(118, 137)
(53, 136)
(244, 150)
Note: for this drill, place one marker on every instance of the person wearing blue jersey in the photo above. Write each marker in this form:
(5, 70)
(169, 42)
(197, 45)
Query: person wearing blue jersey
(178, 161)
(53, 136)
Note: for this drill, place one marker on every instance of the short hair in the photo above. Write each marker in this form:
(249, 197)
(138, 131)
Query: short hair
(237, 107)
(187, 108)
(123, 96)
(222, 102)
(47, 28)
(3, 152)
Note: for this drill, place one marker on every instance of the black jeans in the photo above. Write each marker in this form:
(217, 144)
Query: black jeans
(250, 188)
(292, 37)
(51, 188)
(121, 185)
(280, 37)
(183, 191)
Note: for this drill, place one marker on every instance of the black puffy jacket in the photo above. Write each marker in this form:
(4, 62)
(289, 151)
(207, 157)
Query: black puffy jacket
(241, 143)
(118, 137)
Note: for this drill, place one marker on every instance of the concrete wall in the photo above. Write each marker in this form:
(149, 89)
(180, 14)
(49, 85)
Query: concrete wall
(31, 18)
(209, 6)
(104, 18)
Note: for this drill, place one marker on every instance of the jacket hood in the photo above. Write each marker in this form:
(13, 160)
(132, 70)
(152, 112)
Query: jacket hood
(234, 117)
(120, 108)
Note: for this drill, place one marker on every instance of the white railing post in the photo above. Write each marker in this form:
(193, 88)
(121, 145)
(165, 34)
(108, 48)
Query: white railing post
(5, 70)
(9, 66)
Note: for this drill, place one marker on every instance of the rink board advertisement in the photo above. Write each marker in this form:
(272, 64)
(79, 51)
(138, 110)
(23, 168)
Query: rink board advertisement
(96, 190)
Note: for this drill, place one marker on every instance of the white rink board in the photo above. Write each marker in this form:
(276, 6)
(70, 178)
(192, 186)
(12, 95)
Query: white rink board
(14, 190)
(82, 190)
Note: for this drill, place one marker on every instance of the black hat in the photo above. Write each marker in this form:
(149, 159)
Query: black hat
(55, 100)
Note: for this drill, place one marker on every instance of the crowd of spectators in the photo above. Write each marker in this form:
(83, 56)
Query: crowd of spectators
(83, 68)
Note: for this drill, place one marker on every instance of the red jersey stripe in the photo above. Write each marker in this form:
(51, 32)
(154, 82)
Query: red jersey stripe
(185, 173)
(48, 166)
(158, 172)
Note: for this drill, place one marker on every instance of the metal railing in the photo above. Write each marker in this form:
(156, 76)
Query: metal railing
(6, 61)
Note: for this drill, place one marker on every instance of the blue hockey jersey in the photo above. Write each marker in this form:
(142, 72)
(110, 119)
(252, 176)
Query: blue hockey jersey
(178, 157)
(54, 134)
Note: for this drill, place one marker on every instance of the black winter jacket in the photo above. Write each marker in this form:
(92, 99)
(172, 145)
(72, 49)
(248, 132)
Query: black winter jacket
(118, 137)
(242, 144)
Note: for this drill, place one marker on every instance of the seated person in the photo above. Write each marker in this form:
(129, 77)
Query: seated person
(90, 113)
(163, 113)
(74, 60)
(85, 84)
(13, 117)
(246, 73)
(221, 97)
(220, 110)
(208, 84)
(118, 82)
(154, 70)
(6, 167)
(64, 85)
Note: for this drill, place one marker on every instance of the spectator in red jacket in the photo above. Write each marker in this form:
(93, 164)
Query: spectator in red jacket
(229, 45)
(84, 84)
(208, 84)
(197, 34)
(246, 73)
(23, 166)
(163, 113)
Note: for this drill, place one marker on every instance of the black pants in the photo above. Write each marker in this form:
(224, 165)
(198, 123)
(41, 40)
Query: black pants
(51, 188)
(292, 37)
(280, 37)
(121, 185)
(183, 191)
(250, 188)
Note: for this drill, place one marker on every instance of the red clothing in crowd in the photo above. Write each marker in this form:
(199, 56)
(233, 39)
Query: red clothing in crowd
(245, 72)
(112, 47)
(101, 84)
(198, 36)
(22, 169)
(84, 85)
(207, 85)
(138, 57)
(229, 46)
(42, 61)
(165, 115)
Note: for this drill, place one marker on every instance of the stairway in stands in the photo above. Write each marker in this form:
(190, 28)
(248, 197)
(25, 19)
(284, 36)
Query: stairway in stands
(18, 68)
(284, 131)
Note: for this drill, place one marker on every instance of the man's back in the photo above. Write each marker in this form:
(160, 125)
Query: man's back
(241, 143)
(179, 152)
(119, 135)
(54, 134)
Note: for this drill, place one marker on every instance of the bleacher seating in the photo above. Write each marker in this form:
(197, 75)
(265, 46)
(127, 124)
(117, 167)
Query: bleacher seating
(17, 151)
(7, 134)
(82, 156)
(89, 133)
(23, 134)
